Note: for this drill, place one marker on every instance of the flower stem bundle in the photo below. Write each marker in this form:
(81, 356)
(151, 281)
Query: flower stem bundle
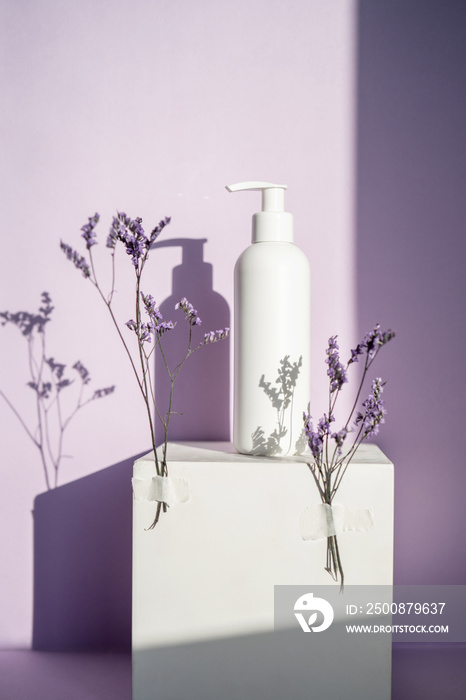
(329, 447)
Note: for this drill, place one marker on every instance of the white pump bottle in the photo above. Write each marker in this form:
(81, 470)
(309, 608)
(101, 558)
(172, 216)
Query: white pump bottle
(272, 331)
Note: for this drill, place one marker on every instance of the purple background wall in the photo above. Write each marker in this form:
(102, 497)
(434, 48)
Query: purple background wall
(120, 105)
(411, 256)
(150, 107)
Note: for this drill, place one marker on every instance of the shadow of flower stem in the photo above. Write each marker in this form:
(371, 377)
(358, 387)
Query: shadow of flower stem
(48, 381)
(282, 398)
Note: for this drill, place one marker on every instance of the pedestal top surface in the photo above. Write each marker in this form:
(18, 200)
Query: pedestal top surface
(367, 453)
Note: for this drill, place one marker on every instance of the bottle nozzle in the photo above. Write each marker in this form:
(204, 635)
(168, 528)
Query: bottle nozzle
(272, 223)
(273, 196)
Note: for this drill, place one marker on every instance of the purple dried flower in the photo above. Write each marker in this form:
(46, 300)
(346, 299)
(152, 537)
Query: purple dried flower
(215, 336)
(324, 424)
(151, 309)
(315, 438)
(114, 233)
(340, 438)
(358, 350)
(89, 234)
(336, 371)
(375, 339)
(371, 344)
(189, 311)
(135, 248)
(131, 233)
(111, 239)
(374, 413)
(145, 331)
(78, 260)
(162, 327)
(155, 326)
(158, 229)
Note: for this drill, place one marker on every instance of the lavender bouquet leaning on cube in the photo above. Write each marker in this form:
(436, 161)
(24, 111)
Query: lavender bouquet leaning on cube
(329, 447)
(148, 325)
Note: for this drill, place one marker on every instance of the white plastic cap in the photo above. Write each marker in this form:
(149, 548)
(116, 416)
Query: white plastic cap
(273, 223)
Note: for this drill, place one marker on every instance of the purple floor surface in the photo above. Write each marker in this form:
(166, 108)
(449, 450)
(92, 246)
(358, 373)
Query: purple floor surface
(420, 672)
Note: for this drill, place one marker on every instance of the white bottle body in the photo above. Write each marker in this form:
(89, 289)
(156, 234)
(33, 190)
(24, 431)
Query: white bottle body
(272, 331)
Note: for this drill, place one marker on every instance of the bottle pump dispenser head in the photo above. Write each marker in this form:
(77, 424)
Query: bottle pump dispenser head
(273, 223)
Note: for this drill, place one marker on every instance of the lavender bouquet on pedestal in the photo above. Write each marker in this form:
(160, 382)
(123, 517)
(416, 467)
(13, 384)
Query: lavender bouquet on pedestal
(330, 448)
(148, 324)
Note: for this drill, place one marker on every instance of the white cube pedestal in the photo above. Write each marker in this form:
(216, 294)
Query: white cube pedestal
(204, 577)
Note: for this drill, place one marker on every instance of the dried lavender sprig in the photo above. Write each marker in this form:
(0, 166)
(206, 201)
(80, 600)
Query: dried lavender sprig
(189, 311)
(337, 373)
(215, 336)
(375, 411)
(78, 260)
(89, 233)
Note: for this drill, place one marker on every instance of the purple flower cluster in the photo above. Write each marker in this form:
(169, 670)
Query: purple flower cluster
(151, 309)
(89, 234)
(373, 414)
(330, 464)
(158, 229)
(374, 411)
(372, 343)
(336, 371)
(215, 336)
(315, 437)
(132, 234)
(155, 326)
(189, 311)
(78, 261)
(340, 438)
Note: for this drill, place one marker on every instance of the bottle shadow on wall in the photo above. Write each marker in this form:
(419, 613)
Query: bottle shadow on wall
(82, 563)
(201, 396)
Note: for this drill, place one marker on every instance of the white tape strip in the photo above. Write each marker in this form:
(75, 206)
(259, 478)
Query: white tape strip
(321, 520)
(161, 488)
